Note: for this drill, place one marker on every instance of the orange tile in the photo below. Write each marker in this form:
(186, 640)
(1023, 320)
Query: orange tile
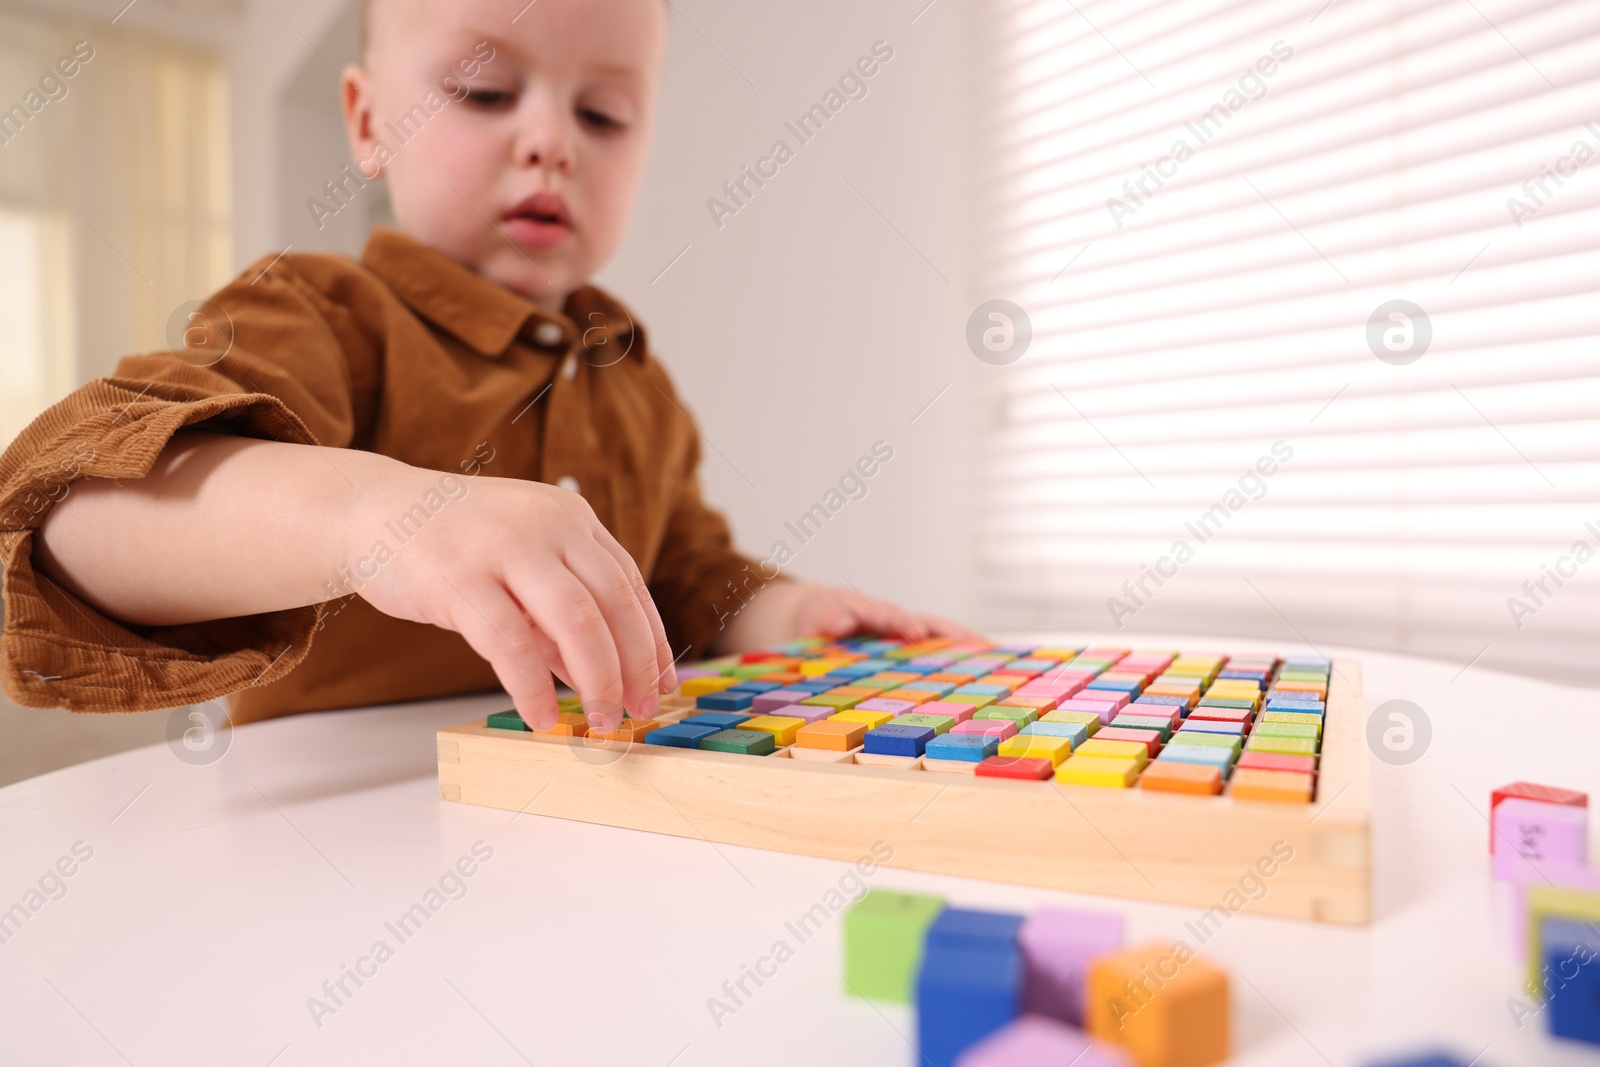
(630, 730)
(916, 696)
(569, 724)
(1171, 776)
(1288, 787)
(835, 734)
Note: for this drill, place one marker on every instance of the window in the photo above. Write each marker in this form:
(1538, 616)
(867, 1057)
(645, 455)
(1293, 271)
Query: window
(114, 202)
(1313, 300)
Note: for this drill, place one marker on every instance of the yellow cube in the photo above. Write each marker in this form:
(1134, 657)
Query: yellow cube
(781, 727)
(1037, 746)
(1098, 770)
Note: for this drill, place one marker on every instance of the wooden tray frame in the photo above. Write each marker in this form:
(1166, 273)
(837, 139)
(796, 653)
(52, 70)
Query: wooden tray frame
(1127, 843)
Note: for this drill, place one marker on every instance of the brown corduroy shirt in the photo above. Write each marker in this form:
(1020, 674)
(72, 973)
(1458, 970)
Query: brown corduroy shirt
(408, 354)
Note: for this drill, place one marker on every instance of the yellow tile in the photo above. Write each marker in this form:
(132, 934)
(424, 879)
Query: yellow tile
(711, 683)
(1097, 770)
(1088, 719)
(781, 727)
(1037, 746)
(873, 719)
(1133, 751)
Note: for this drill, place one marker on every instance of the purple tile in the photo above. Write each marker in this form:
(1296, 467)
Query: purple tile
(777, 698)
(893, 707)
(1057, 945)
(808, 712)
(1034, 1041)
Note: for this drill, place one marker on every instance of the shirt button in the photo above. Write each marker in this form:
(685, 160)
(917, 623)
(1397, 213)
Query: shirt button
(567, 482)
(569, 369)
(548, 333)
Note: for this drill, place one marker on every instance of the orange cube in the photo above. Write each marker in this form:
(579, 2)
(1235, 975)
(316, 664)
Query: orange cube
(1161, 1003)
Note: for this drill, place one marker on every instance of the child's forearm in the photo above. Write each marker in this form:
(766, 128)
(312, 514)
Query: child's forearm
(222, 526)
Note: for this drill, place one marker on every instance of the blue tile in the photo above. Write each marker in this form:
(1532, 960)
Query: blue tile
(679, 735)
(727, 700)
(722, 720)
(898, 740)
(967, 747)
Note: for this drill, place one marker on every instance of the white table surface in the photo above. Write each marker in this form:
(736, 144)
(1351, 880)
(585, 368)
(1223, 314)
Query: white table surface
(219, 898)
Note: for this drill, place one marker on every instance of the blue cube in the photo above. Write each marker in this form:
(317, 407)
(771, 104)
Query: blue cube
(1572, 976)
(969, 928)
(963, 996)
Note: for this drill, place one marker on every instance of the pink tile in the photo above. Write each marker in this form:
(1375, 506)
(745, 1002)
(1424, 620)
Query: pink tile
(808, 712)
(956, 710)
(1001, 728)
(893, 707)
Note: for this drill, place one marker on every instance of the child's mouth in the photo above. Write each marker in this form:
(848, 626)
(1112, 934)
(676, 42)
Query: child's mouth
(539, 221)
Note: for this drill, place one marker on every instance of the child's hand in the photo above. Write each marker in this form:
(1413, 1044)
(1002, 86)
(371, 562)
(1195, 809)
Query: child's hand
(785, 610)
(522, 570)
(836, 612)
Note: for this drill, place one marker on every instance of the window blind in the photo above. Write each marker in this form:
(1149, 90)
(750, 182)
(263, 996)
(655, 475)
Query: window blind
(1315, 346)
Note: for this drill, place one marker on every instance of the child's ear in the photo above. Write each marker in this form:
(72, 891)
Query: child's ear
(364, 148)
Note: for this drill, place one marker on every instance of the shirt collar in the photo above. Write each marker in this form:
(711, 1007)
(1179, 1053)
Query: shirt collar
(487, 316)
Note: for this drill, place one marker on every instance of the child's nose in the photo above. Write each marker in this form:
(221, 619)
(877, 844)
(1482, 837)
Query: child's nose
(546, 140)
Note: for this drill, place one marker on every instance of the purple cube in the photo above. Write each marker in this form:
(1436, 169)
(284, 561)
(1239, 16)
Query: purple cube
(1034, 1041)
(1057, 946)
(1534, 832)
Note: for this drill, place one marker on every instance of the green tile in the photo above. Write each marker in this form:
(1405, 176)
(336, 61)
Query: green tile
(506, 720)
(743, 742)
(883, 935)
(1287, 729)
(1021, 716)
(939, 724)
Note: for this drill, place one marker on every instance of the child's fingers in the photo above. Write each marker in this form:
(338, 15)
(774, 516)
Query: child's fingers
(637, 651)
(666, 675)
(565, 609)
(940, 626)
(886, 618)
(498, 630)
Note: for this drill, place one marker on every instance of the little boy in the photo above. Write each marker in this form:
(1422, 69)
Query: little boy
(452, 466)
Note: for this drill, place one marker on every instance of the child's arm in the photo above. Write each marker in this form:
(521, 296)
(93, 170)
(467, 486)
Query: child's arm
(225, 526)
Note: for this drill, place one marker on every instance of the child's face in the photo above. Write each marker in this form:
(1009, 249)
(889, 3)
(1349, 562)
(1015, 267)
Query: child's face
(526, 169)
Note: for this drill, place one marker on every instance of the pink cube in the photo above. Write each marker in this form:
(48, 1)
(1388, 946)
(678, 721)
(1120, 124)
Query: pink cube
(1034, 1041)
(996, 728)
(1057, 945)
(1530, 832)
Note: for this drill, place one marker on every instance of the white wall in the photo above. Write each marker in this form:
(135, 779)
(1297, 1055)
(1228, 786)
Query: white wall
(806, 327)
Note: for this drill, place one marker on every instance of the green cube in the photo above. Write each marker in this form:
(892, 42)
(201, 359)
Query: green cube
(883, 935)
(506, 720)
(743, 742)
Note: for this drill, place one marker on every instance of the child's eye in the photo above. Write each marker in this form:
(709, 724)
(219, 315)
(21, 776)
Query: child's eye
(599, 120)
(490, 99)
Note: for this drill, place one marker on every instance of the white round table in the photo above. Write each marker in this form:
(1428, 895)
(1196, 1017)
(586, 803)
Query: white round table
(222, 906)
